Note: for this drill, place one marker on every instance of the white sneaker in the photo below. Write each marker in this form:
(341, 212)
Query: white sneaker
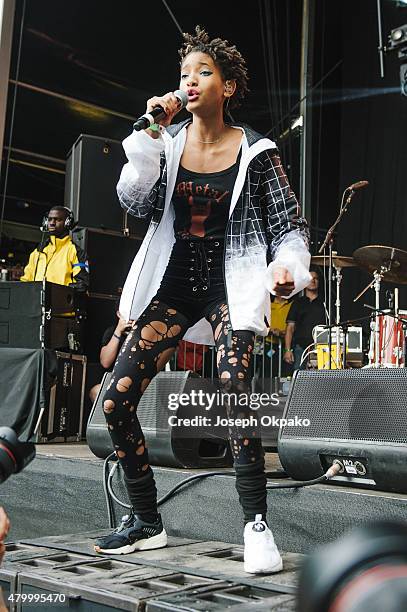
(261, 555)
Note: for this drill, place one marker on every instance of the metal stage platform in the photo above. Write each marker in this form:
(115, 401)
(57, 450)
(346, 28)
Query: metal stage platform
(187, 575)
(61, 493)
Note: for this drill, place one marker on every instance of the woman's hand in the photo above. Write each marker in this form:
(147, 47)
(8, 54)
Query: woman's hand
(288, 357)
(283, 282)
(169, 103)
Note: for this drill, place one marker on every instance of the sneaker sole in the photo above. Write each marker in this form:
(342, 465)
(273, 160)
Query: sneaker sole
(158, 541)
(270, 570)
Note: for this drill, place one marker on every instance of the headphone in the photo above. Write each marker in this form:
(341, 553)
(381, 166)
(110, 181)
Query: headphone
(69, 223)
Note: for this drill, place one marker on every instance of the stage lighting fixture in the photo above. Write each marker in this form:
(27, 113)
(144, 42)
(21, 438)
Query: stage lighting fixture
(398, 37)
(398, 41)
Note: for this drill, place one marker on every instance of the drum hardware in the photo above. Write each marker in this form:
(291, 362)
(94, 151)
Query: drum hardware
(387, 343)
(376, 330)
(338, 262)
(392, 261)
(392, 339)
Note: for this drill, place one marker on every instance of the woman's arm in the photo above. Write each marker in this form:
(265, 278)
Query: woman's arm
(140, 178)
(287, 230)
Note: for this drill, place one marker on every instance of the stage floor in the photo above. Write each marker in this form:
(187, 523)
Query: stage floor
(186, 575)
(61, 492)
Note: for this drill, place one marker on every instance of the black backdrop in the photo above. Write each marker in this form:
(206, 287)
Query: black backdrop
(116, 56)
(103, 54)
(373, 144)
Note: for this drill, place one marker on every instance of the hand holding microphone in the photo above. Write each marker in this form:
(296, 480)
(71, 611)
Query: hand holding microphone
(162, 110)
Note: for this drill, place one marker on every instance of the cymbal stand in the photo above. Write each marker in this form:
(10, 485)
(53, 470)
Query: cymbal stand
(378, 275)
(376, 282)
(396, 318)
(338, 279)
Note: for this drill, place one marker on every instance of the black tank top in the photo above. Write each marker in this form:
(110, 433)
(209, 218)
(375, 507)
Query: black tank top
(202, 201)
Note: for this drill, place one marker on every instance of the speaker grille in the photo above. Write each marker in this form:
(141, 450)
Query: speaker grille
(367, 404)
(152, 410)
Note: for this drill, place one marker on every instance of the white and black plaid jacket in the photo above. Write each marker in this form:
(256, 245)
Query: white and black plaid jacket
(264, 223)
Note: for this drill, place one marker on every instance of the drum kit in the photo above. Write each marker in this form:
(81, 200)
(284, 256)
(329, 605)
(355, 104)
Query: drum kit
(387, 347)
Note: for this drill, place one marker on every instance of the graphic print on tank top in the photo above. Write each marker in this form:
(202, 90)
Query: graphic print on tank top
(201, 203)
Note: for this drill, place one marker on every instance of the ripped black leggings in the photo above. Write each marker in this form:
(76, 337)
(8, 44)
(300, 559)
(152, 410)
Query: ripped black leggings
(148, 347)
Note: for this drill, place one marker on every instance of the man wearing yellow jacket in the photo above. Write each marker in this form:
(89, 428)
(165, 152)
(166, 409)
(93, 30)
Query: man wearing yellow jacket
(58, 259)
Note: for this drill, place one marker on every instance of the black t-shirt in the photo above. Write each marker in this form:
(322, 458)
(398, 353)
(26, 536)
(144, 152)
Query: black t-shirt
(306, 313)
(202, 201)
(107, 336)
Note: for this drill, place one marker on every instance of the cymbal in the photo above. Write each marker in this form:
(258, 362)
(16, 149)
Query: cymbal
(373, 257)
(338, 261)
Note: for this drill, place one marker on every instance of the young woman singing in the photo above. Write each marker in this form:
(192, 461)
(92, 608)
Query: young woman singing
(221, 209)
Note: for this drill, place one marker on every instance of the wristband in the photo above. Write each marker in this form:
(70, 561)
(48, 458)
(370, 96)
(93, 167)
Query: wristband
(155, 127)
(288, 350)
(116, 336)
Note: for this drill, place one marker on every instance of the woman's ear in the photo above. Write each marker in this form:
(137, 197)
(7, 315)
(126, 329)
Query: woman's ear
(230, 88)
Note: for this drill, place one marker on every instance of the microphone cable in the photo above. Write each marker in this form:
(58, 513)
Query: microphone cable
(110, 494)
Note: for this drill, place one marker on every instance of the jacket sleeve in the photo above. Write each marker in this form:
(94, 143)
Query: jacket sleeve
(140, 177)
(30, 267)
(287, 230)
(80, 269)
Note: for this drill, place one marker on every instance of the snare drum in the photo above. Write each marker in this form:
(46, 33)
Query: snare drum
(392, 343)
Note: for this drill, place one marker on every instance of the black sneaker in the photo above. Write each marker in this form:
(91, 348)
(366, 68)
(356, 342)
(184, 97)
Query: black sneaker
(133, 534)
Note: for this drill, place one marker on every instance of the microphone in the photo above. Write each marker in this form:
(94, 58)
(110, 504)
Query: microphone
(158, 112)
(45, 232)
(343, 207)
(358, 185)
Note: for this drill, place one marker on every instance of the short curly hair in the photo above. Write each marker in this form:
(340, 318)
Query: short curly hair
(226, 56)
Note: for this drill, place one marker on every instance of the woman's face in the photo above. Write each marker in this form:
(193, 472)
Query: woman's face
(203, 82)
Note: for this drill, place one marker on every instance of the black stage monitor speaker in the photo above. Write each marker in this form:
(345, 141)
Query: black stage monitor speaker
(93, 168)
(100, 314)
(34, 313)
(110, 256)
(357, 418)
(165, 447)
